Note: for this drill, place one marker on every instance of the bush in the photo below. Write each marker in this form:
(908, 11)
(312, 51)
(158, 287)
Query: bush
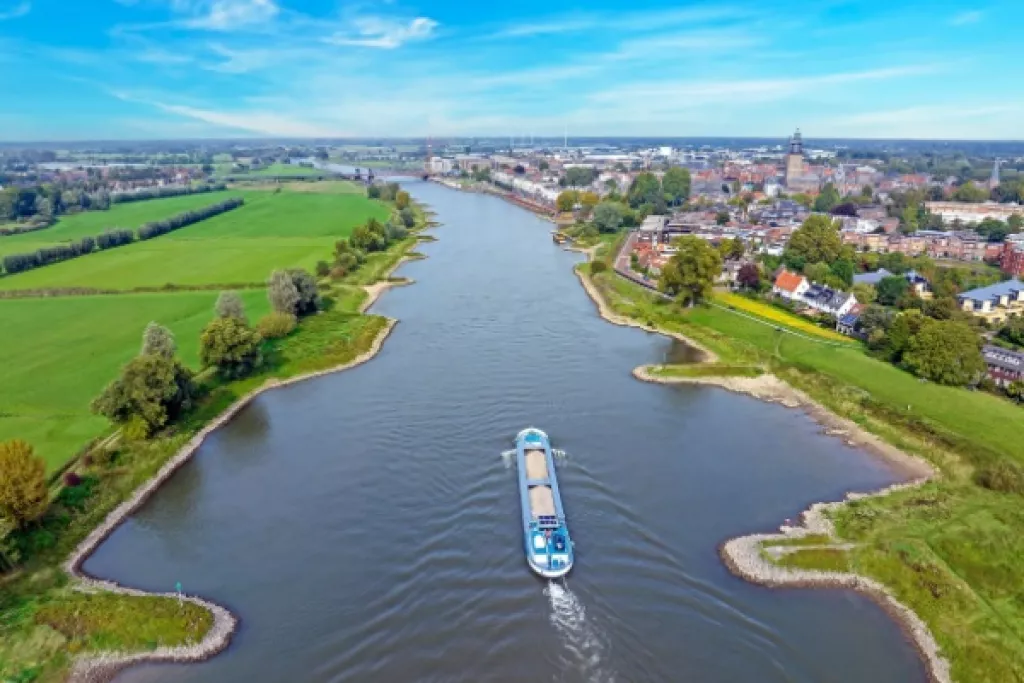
(186, 218)
(71, 479)
(598, 267)
(230, 305)
(322, 268)
(1003, 476)
(276, 325)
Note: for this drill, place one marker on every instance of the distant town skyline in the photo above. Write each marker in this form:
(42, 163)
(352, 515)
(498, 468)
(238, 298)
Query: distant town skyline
(160, 69)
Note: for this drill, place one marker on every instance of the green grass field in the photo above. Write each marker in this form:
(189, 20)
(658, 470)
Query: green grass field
(272, 230)
(269, 171)
(68, 348)
(91, 223)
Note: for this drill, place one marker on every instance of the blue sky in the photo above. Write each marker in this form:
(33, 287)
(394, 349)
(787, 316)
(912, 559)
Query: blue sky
(211, 68)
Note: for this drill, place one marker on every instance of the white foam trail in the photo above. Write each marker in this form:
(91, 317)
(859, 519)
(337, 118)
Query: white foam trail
(508, 457)
(582, 640)
(558, 453)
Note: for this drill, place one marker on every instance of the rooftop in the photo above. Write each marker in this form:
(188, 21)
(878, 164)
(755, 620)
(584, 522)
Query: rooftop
(994, 291)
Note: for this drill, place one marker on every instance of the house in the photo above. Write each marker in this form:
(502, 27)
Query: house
(1004, 366)
(996, 302)
(871, 278)
(790, 286)
(849, 322)
(918, 283)
(828, 300)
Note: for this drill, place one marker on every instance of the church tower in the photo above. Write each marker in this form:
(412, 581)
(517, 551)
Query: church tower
(795, 159)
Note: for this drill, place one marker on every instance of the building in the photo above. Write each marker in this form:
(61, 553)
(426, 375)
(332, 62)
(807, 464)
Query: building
(1011, 259)
(973, 213)
(995, 303)
(849, 322)
(795, 159)
(1004, 366)
(918, 283)
(828, 300)
(790, 286)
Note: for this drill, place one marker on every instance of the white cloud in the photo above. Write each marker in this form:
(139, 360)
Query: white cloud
(379, 32)
(238, 61)
(638, 21)
(260, 122)
(19, 10)
(969, 17)
(224, 15)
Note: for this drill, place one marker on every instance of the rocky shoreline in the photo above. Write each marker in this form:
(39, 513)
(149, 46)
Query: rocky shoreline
(743, 555)
(102, 667)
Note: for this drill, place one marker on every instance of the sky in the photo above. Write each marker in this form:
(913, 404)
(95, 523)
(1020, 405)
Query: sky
(157, 69)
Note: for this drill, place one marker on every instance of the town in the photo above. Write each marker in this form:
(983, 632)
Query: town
(897, 231)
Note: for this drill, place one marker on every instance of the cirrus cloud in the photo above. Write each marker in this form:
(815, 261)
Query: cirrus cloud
(386, 34)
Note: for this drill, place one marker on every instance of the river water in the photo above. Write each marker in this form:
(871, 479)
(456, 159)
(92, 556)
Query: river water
(365, 527)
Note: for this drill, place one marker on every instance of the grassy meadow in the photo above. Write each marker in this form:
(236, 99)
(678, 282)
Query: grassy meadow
(68, 348)
(90, 223)
(775, 316)
(272, 230)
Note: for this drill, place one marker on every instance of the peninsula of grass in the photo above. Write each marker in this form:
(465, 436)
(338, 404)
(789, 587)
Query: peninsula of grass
(44, 622)
(823, 559)
(239, 248)
(129, 215)
(951, 549)
(705, 370)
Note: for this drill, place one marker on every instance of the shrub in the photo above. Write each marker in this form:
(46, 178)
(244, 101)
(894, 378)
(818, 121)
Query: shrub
(282, 292)
(408, 217)
(231, 346)
(322, 268)
(276, 325)
(23, 493)
(71, 479)
(598, 267)
(1003, 476)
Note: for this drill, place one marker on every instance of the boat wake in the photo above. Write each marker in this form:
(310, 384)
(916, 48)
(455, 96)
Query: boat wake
(584, 645)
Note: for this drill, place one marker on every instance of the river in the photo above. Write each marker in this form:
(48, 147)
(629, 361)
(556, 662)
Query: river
(365, 527)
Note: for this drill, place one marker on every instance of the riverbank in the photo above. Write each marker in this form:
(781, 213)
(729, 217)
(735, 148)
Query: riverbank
(47, 632)
(533, 207)
(942, 547)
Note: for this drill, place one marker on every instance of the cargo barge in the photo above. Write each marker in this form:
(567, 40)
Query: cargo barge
(549, 550)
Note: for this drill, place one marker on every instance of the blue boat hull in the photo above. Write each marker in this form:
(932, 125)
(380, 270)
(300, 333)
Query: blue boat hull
(546, 540)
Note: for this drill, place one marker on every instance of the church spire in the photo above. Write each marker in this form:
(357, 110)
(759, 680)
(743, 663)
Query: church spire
(796, 143)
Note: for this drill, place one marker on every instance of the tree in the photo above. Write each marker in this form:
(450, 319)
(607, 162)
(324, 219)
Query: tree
(309, 295)
(408, 218)
(867, 192)
(229, 305)
(817, 240)
(579, 176)
(282, 293)
(645, 189)
(607, 216)
(969, 192)
(864, 293)
(732, 249)
(843, 270)
(817, 272)
(566, 201)
(157, 340)
(947, 352)
(722, 218)
(827, 199)
(845, 209)
(1013, 331)
(151, 391)
(890, 289)
(401, 200)
(23, 491)
(231, 346)
(543, 165)
(749, 276)
(676, 184)
(370, 237)
(691, 272)
(900, 333)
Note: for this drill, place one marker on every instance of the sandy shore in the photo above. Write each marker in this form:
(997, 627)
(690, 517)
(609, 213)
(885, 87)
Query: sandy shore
(616, 319)
(103, 667)
(743, 555)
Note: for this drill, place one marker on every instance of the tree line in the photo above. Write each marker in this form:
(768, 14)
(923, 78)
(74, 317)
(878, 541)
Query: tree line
(45, 202)
(116, 237)
(164, 192)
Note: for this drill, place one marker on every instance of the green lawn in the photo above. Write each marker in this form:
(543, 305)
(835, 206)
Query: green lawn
(995, 424)
(272, 230)
(91, 223)
(68, 348)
